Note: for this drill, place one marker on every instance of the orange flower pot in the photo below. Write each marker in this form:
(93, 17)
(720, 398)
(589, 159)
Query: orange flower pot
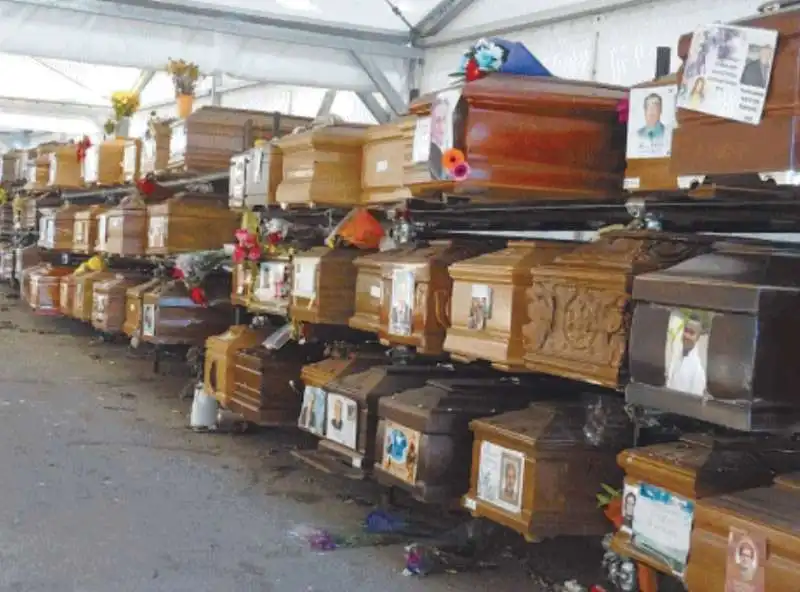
(184, 104)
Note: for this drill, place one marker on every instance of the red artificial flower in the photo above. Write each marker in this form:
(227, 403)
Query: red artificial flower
(177, 273)
(83, 148)
(239, 253)
(472, 71)
(254, 254)
(623, 108)
(274, 238)
(198, 296)
(146, 186)
(241, 235)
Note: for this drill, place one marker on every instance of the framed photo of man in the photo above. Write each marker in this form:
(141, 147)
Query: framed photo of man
(686, 352)
(651, 122)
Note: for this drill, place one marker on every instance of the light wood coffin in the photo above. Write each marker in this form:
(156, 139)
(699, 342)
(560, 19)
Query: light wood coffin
(525, 137)
(15, 164)
(416, 292)
(489, 305)
(323, 285)
(649, 143)
(66, 299)
(369, 291)
(322, 166)
(382, 167)
(748, 540)
(85, 229)
(155, 149)
(708, 145)
(123, 230)
(416, 129)
(170, 317)
(103, 163)
(109, 301)
(220, 359)
(45, 289)
(83, 295)
(189, 222)
(132, 327)
(255, 176)
(534, 471)
(39, 167)
(57, 227)
(132, 160)
(25, 277)
(65, 167)
(423, 442)
(579, 304)
(713, 338)
(206, 140)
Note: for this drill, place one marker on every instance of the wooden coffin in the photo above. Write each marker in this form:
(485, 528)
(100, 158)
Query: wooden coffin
(254, 176)
(351, 417)
(123, 230)
(65, 168)
(206, 140)
(57, 227)
(525, 137)
(272, 288)
(25, 258)
(14, 166)
(66, 299)
(25, 279)
(369, 291)
(709, 337)
(489, 305)
(383, 160)
(109, 301)
(220, 359)
(189, 222)
(651, 122)
(6, 220)
(423, 442)
(748, 540)
(534, 471)
(170, 317)
(416, 129)
(242, 283)
(103, 163)
(6, 262)
(155, 148)
(28, 218)
(39, 167)
(132, 160)
(83, 295)
(323, 285)
(663, 482)
(579, 304)
(266, 383)
(132, 327)
(697, 140)
(417, 289)
(45, 289)
(85, 229)
(322, 166)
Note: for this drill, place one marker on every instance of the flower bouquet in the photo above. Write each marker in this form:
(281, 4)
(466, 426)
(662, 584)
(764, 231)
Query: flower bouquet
(125, 103)
(498, 55)
(194, 268)
(184, 76)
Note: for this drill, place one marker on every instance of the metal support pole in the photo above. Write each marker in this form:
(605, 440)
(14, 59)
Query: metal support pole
(327, 104)
(374, 107)
(393, 98)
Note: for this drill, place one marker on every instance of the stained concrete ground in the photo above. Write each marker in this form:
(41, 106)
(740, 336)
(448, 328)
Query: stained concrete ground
(103, 489)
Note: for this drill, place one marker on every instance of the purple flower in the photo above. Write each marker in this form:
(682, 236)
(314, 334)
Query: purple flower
(461, 172)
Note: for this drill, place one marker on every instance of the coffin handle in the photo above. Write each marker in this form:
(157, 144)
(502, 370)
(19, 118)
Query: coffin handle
(441, 306)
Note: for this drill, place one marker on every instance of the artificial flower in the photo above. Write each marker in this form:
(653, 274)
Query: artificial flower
(472, 72)
(198, 296)
(623, 109)
(146, 186)
(254, 254)
(273, 238)
(177, 274)
(452, 158)
(461, 172)
(241, 235)
(82, 148)
(239, 253)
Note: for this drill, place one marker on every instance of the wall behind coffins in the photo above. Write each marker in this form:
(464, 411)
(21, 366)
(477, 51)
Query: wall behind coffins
(615, 47)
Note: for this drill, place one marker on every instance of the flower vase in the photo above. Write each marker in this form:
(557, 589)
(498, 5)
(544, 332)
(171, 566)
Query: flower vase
(123, 127)
(184, 104)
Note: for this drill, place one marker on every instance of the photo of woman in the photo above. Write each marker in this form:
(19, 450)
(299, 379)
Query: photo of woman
(698, 92)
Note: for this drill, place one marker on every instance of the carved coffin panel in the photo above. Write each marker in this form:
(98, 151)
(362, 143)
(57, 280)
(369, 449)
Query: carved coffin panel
(123, 230)
(85, 229)
(45, 289)
(220, 361)
(579, 305)
(712, 338)
(489, 306)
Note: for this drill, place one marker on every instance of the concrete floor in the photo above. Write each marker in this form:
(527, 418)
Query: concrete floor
(103, 489)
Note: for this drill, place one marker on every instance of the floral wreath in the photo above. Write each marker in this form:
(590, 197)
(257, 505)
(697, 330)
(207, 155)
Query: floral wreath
(483, 58)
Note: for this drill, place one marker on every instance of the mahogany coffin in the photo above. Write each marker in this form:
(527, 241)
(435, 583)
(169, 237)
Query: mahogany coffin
(382, 169)
(663, 482)
(713, 338)
(189, 222)
(323, 285)
(83, 295)
(132, 327)
(85, 229)
(170, 317)
(525, 137)
(255, 176)
(489, 305)
(266, 383)
(651, 122)
(534, 470)
(708, 145)
(423, 442)
(65, 168)
(109, 301)
(416, 292)
(45, 289)
(748, 540)
(579, 304)
(220, 359)
(322, 166)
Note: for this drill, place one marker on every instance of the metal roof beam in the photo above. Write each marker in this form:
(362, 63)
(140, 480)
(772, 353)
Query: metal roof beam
(327, 103)
(374, 107)
(382, 85)
(440, 16)
(53, 108)
(240, 24)
(145, 78)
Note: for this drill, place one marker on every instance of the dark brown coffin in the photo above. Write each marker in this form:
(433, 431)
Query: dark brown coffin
(434, 420)
(748, 301)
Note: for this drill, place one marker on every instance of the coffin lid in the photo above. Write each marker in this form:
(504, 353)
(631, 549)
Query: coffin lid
(91, 212)
(424, 256)
(513, 262)
(227, 116)
(192, 204)
(630, 252)
(342, 135)
(319, 253)
(421, 106)
(734, 280)
(139, 289)
(381, 380)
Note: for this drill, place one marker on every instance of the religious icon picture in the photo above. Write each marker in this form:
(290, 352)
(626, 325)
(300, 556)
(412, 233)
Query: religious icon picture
(342, 420)
(480, 308)
(312, 413)
(401, 313)
(400, 450)
(686, 353)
